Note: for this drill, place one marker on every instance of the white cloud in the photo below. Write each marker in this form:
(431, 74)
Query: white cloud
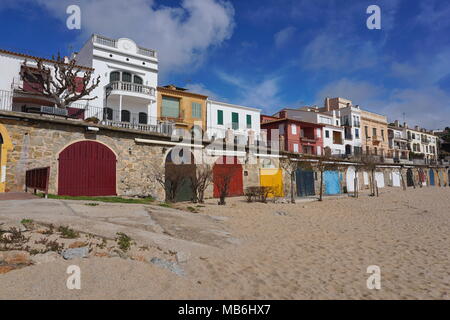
(263, 95)
(428, 106)
(283, 36)
(201, 89)
(357, 91)
(328, 51)
(181, 35)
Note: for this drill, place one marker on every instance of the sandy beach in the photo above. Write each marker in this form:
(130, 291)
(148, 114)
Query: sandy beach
(310, 250)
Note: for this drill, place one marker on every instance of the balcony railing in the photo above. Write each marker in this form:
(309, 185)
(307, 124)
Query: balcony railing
(113, 44)
(132, 87)
(309, 139)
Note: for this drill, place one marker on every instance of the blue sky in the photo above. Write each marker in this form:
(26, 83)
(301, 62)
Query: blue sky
(268, 54)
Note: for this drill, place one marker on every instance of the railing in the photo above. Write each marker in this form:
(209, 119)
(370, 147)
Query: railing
(6, 99)
(37, 179)
(113, 44)
(308, 139)
(132, 87)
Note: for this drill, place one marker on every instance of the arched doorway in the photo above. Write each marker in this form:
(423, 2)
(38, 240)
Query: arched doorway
(409, 178)
(87, 168)
(351, 176)
(5, 146)
(228, 170)
(180, 170)
(395, 178)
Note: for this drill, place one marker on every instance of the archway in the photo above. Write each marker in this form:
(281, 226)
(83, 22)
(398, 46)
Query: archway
(409, 178)
(432, 183)
(228, 169)
(180, 170)
(351, 176)
(5, 147)
(87, 168)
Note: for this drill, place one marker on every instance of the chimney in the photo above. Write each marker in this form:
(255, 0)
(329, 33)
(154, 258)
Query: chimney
(405, 125)
(417, 128)
(327, 104)
(397, 123)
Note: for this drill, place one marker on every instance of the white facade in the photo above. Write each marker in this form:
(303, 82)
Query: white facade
(220, 119)
(350, 120)
(129, 71)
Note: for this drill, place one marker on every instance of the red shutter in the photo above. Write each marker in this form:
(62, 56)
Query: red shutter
(229, 167)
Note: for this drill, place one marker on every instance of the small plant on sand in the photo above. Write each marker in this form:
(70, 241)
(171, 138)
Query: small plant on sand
(93, 204)
(68, 233)
(165, 205)
(13, 239)
(26, 222)
(124, 241)
(50, 230)
(192, 209)
(54, 246)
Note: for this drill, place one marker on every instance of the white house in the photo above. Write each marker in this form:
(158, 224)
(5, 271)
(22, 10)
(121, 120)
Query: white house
(350, 121)
(224, 117)
(126, 95)
(332, 132)
(128, 79)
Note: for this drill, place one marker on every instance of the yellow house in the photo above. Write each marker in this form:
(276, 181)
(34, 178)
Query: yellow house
(5, 146)
(184, 108)
(374, 133)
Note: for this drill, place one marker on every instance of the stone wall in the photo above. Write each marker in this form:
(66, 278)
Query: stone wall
(38, 144)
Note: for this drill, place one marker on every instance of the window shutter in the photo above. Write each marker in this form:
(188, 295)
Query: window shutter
(170, 107)
(220, 117)
(196, 110)
(249, 121)
(235, 120)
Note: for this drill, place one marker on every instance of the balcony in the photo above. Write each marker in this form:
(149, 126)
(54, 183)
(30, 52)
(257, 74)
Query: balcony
(120, 87)
(104, 41)
(308, 139)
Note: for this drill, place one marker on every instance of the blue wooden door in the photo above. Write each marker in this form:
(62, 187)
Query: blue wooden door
(431, 177)
(305, 183)
(332, 183)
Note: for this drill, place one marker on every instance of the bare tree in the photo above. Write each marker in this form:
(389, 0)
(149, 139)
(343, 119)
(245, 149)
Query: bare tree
(290, 165)
(222, 181)
(369, 163)
(67, 83)
(170, 179)
(202, 180)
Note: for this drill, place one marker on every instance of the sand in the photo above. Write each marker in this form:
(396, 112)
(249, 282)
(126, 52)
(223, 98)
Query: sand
(310, 250)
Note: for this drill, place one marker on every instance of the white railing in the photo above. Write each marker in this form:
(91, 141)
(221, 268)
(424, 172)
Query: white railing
(105, 41)
(113, 44)
(132, 87)
(6, 100)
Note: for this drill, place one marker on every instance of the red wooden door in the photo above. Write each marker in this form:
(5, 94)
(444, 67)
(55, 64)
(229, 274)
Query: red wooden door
(228, 169)
(87, 168)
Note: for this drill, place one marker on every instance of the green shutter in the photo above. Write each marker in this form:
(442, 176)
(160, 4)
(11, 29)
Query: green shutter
(235, 120)
(220, 117)
(196, 110)
(170, 107)
(249, 121)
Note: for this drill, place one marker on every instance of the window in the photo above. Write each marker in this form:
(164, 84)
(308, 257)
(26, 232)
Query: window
(220, 117)
(196, 110)
(382, 135)
(319, 133)
(114, 76)
(126, 77)
(357, 133)
(295, 147)
(108, 113)
(366, 131)
(374, 131)
(170, 107)
(143, 118)
(235, 120)
(337, 123)
(138, 80)
(414, 136)
(327, 134)
(249, 121)
(319, 151)
(125, 116)
(294, 129)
